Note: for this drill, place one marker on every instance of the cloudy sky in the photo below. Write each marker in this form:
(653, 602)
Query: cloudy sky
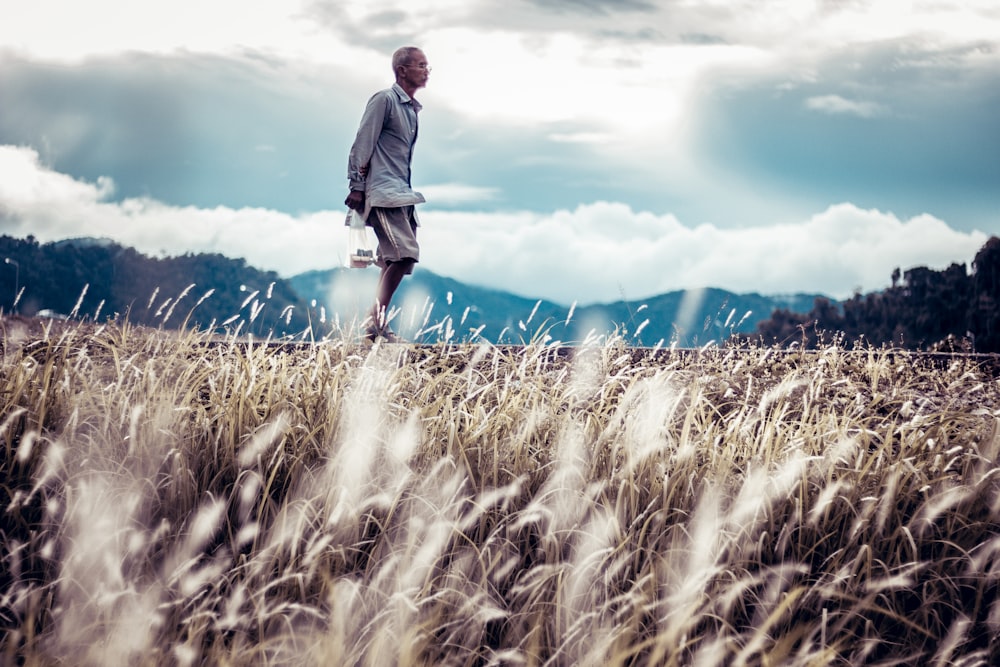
(576, 150)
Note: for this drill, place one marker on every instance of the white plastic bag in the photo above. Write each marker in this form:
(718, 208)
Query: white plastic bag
(360, 248)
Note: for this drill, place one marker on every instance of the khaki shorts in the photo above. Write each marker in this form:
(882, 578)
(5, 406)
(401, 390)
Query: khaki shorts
(396, 231)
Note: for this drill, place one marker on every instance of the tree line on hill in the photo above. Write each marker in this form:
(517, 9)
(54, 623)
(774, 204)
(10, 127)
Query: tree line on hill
(924, 309)
(99, 279)
(119, 282)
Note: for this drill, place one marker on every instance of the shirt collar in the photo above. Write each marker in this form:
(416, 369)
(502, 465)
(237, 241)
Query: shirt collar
(404, 98)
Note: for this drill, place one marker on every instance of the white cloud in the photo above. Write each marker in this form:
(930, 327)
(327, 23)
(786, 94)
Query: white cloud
(38, 201)
(835, 104)
(602, 251)
(596, 252)
(222, 25)
(72, 31)
(581, 137)
(447, 194)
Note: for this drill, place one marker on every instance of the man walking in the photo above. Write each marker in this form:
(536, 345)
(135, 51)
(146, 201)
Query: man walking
(379, 173)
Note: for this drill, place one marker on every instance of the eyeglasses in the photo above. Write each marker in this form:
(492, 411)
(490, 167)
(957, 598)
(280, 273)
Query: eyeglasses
(425, 67)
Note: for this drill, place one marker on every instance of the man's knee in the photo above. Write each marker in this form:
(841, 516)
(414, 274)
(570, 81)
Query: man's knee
(404, 266)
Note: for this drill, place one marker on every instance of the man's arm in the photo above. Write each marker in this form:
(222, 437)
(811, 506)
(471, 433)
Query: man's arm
(359, 160)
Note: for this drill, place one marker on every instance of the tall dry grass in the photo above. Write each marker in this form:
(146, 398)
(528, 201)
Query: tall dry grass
(189, 500)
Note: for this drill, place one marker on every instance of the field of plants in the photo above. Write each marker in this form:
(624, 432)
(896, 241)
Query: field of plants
(180, 499)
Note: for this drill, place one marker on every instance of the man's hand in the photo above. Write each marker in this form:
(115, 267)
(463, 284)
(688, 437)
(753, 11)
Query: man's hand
(356, 200)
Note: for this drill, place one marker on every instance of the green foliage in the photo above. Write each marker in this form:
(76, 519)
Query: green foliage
(947, 309)
(96, 279)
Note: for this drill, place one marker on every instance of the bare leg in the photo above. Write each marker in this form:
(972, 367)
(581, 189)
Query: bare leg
(389, 280)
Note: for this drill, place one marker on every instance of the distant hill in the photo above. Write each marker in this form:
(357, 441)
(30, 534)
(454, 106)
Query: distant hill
(98, 279)
(432, 307)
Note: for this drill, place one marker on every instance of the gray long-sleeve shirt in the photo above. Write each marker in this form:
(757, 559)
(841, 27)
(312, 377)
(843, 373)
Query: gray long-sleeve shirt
(384, 143)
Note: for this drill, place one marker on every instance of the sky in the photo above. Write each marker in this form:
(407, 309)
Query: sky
(581, 151)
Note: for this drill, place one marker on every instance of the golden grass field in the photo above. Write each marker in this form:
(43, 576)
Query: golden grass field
(179, 499)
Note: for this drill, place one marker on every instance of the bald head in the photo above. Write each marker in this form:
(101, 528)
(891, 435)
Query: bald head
(403, 56)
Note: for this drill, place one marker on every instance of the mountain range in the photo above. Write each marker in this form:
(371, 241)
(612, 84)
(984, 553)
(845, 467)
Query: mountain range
(432, 308)
(98, 279)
